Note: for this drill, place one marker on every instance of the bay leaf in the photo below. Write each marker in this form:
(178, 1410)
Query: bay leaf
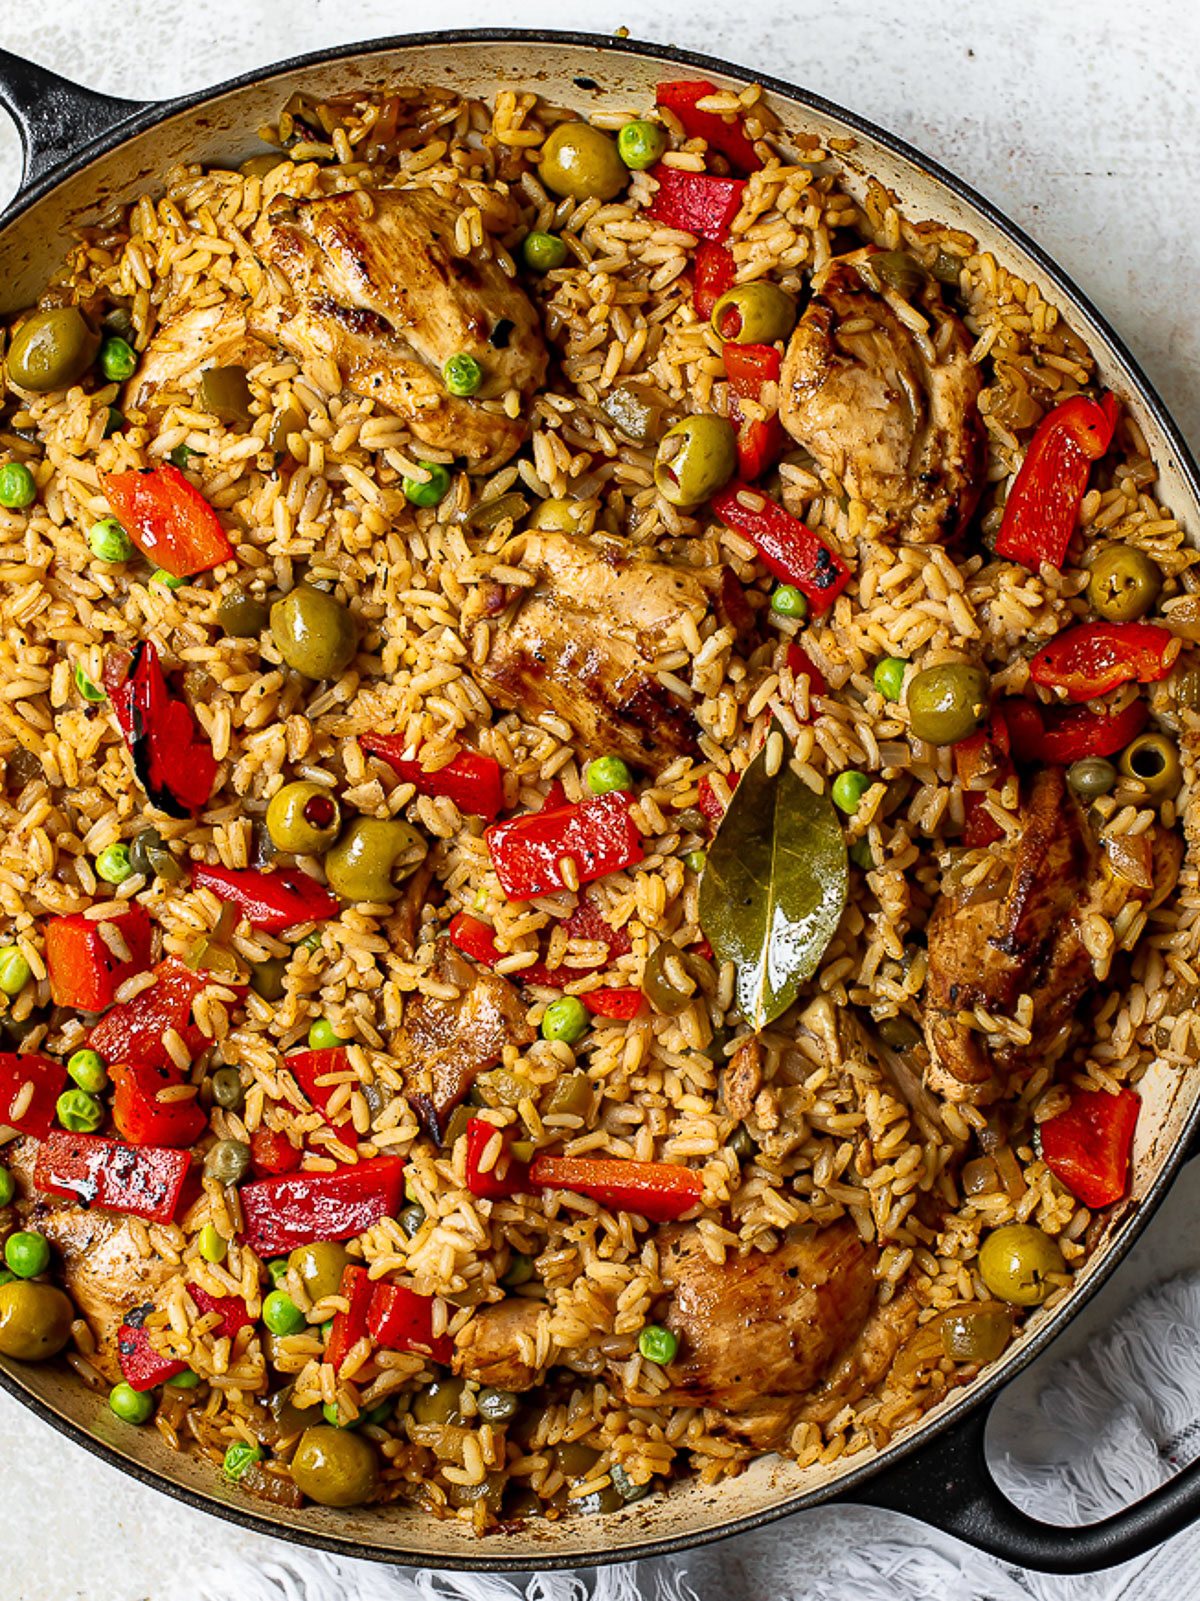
(774, 887)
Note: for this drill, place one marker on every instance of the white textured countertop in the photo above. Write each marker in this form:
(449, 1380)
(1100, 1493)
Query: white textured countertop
(1076, 117)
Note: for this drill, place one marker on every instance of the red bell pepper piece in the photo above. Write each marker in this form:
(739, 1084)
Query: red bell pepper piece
(622, 1003)
(474, 783)
(1042, 508)
(308, 1067)
(270, 901)
(133, 1031)
(507, 1177)
(729, 137)
(748, 368)
(785, 546)
(142, 1367)
(168, 519)
(801, 665)
(174, 766)
(695, 202)
(143, 1181)
(84, 972)
(48, 1078)
(1063, 734)
(402, 1320)
(298, 1208)
(350, 1327)
(706, 797)
(1088, 1145)
(272, 1153)
(660, 1191)
(473, 938)
(712, 276)
(143, 1119)
(1092, 658)
(598, 833)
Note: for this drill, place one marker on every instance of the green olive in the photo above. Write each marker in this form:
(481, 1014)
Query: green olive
(580, 161)
(438, 1402)
(35, 1320)
(561, 516)
(320, 1267)
(756, 313)
(361, 865)
(658, 988)
(335, 1467)
(313, 632)
(696, 457)
(266, 978)
(947, 703)
(242, 617)
(1124, 585)
(1091, 776)
(976, 1333)
(1014, 1262)
(52, 349)
(303, 817)
(1154, 759)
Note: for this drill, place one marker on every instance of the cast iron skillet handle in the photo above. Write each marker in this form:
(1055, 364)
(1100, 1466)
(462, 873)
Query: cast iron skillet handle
(55, 117)
(947, 1483)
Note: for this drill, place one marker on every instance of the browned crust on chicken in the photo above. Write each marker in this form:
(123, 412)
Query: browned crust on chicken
(487, 1349)
(868, 1359)
(743, 1079)
(187, 344)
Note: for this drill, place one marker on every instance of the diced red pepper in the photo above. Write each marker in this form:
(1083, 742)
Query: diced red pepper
(168, 519)
(728, 137)
(695, 202)
(272, 1153)
(282, 1213)
(660, 1191)
(1042, 508)
(713, 275)
(554, 797)
(707, 800)
(1064, 734)
(349, 1327)
(801, 665)
(48, 1078)
(143, 1119)
(785, 546)
(980, 828)
(308, 1067)
(402, 1320)
(1088, 1145)
(507, 1177)
(622, 1003)
(749, 368)
(174, 765)
(142, 1367)
(134, 1030)
(141, 1180)
(84, 972)
(473, 938)
(1092, 658)
(474, 783)
(597, 833)
(270, 901)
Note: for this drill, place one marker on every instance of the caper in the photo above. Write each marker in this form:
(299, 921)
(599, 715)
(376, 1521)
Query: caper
(152, 859)
(35, 1320)
(335, 1467)
(496, 1406)
(1124, 584)
(975, 1333)
(947, 703)
(242, 617)
(899, 271)
(303, 817)
(412, 1219)
(438, 1402)
(756, 313)
(696, 457)
(657, 986)
(314, 633)
(320, 1267)
(266, 977)
(582, 162)
(1091, 776)
(227, 1089)
(52, 349)
(741, 1143)
(360, 867)
(898, 1033)
(1014, 1262)
(228, 1161)
(225, 392)
(1154, 759)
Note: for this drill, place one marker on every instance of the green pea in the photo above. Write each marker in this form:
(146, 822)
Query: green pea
(889, 676)
(227, 1089)
(118, 360)
(27, 1253)
(87, 1070)
(187, 1380)
(565, 1020)
(8, 1187)
(520, 1270)
(15, 972)
(322, 1036)
(861, 856)
(657, 1344)
(78, 1111)
(108, 541)
(168, 580)
(607, 774)
(130, 1405)
(113, 864)
(543, 252)
(18, 488)
(696, 860)
(239, 1457)
(113, 423)
(429, 491)
(332, 1416)
(848, 789)
(462, 374)
(86, 688)
(640, 144)
(787, 601)
(277, 1270)
(281, 1314)
(213, 1244)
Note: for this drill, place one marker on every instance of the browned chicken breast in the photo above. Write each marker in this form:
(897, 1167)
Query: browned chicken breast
(757, 1333)
(191, 341)
(372, 280)
(1029, 942)
(582, 641)
(867, 1359)
(894, 418)
(488, 1351)
(443, 1044)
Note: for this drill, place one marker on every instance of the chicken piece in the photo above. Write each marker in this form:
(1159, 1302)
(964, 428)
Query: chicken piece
(900, 432)
(867, 1360)
(372, 280)
(406, 914)
(582, 641)
(743, 1079)
(757, 1333)
(443, 1045)
(189, 342)
(487, 1349)
(1027, 942)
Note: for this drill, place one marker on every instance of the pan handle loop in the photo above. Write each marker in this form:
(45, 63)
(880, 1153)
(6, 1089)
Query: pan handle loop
(947, 1483)
(55, 117)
